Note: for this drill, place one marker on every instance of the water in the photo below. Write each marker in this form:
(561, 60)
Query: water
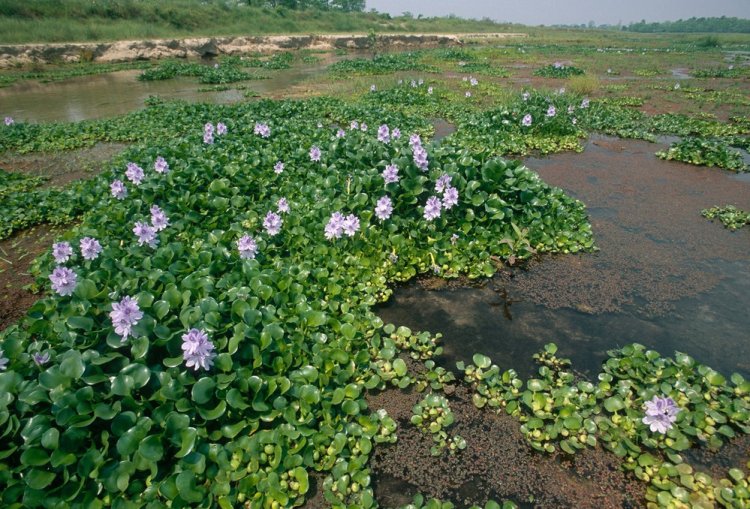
(107, 95)
(664, 276)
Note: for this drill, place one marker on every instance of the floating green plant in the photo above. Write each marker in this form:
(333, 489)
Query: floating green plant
(433, 415)
(730, 216)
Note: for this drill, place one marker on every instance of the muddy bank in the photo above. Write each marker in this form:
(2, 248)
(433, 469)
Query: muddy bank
(208, 47)
(496, 464)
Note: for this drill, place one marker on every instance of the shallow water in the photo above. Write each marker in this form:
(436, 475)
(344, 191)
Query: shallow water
(107, 95)
(664, 276)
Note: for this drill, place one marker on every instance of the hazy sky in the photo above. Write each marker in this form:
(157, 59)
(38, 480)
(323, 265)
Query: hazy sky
(549, 12)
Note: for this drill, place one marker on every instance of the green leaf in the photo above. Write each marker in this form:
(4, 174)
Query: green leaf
(399, 366)
(86, 289)
(614, 403)
(35, 457)
(39, 479)
(203, 390)
(80, 322)
(151, 448)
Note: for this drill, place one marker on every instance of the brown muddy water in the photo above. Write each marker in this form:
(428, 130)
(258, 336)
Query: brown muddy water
(663, 276)
(116, 93)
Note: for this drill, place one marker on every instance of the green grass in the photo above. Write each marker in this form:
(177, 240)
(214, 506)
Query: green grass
(24, 21)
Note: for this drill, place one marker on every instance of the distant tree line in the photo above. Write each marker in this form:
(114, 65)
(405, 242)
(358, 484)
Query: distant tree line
(339, 5)
(719, 25)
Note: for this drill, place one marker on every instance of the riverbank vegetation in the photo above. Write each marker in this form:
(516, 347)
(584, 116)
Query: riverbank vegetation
(81, 20)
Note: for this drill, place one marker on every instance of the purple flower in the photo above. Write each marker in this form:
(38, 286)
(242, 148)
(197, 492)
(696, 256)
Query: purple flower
(551, 112)
(9, 121)
(413, 84)
(134, 173)
(571, 110)
(354, 125)
(262, 130)
(363, 127)
(420, 157)
(454, 238)
(159, 219)
(62, 252)
(468, 94)
(208, 138)
(198, 351)
(247, 247)
(335, 226)
(384, 134)
(473, 81)
(278, 167)
(390, 174)
(660, 414)
(350, 225)
(393, 257)
(574, 121)
(272, 223)
(3, 362)
(525, 96)
(526, 122)
(432, 208)
(450, 197)
(124, 315)
(161, 165)
(63, 281)
(585, 103)
(208, 128)
(40, 359)
(221, 129)
(90, 248)
(396, 133)
(558, 65)
(340, 133)
(443, 182)
(429, 90)
(320, 125)
(282, 205)
(384, 208)
(372, 88)
(146, 234)
(118, 189)
(314, 153)
(420, 82)
(414, 139)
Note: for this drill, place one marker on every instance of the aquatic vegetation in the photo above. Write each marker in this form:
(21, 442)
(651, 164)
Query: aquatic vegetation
(558, 70)
(69, 71)
(211, 75)
(380, 64)
(647, 73)
(719, 72)
(433, 415)
(276, 61)
(419, 502)
(730, 216)
(704, 152)
(644, 408)
(178, 358)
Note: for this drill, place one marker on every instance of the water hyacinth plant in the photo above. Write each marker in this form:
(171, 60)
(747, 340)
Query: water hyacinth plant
(226, 361)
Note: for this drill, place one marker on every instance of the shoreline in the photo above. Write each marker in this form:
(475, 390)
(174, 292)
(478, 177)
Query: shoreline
(13, 55)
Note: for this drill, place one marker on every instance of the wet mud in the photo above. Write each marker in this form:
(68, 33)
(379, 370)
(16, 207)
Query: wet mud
(63, 167)
(16, 256)
(496, 464)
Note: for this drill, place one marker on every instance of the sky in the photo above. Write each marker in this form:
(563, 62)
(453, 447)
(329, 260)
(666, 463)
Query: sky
(568, 12)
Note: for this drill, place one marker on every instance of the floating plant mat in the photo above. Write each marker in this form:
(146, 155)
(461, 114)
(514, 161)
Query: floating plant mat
(207, 334)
